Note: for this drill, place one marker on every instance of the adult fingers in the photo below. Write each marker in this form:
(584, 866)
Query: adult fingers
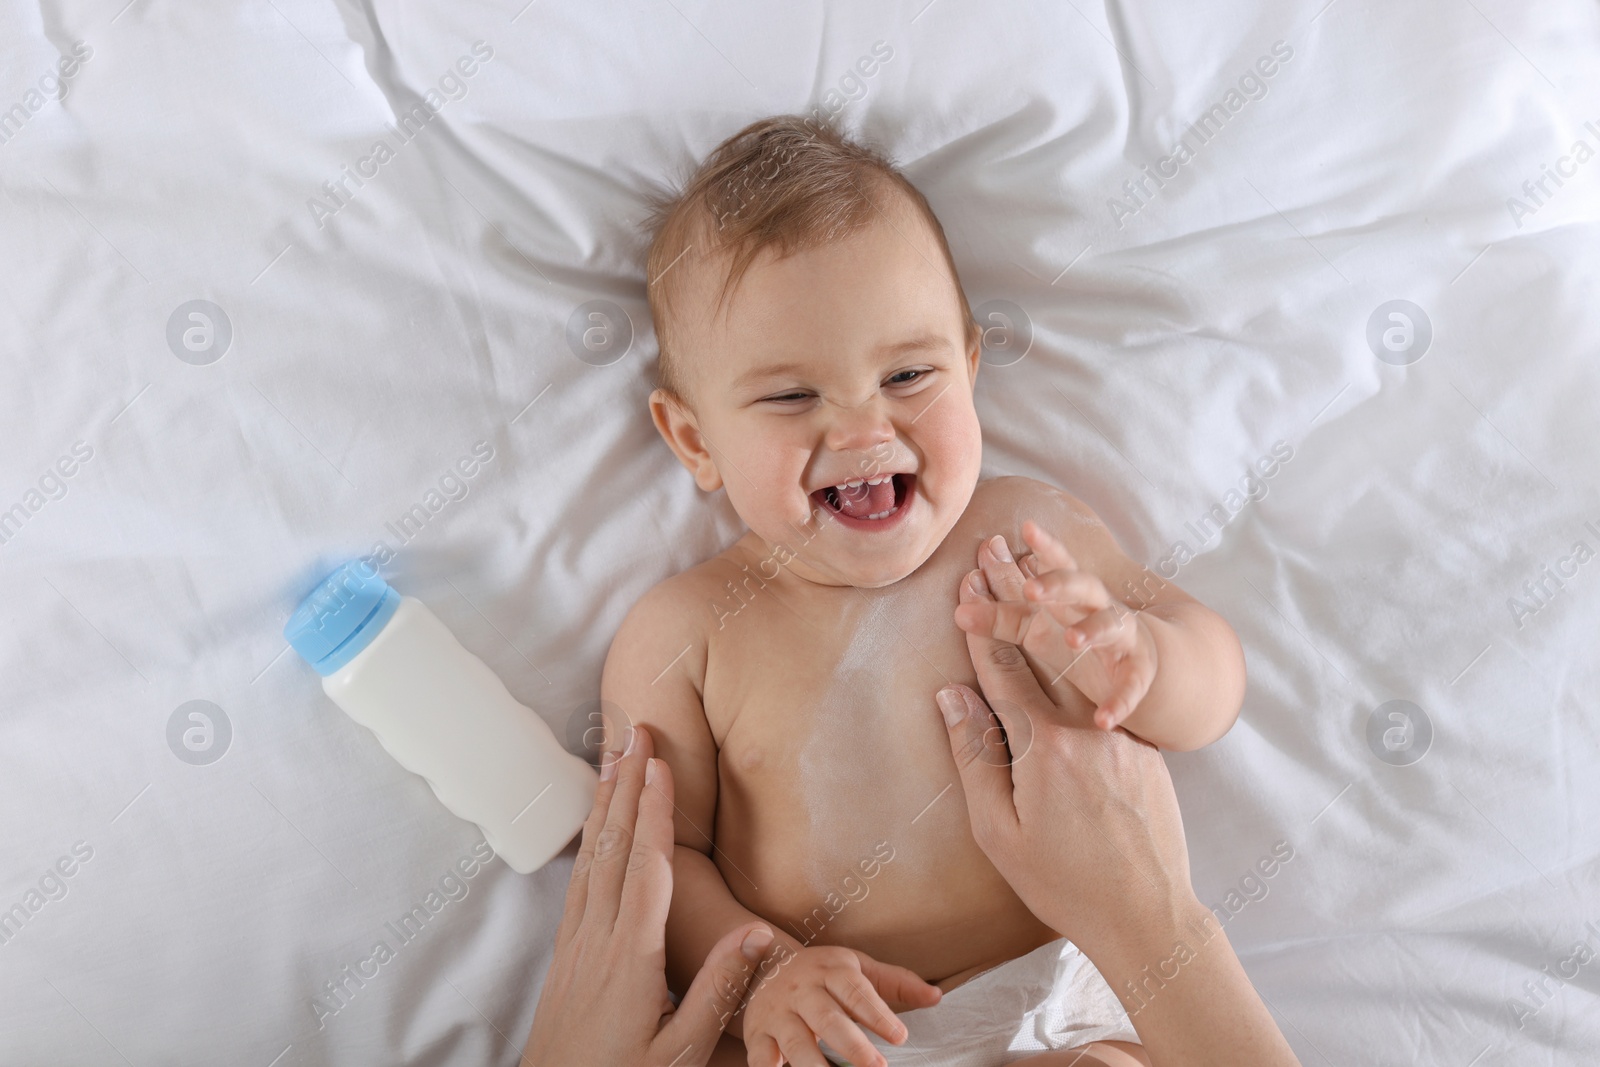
(982, 759)
(615, 841)
(1000, 570)
(647, 886)
(1005, 677)
(1001, 620)
(716, 994)
(578, 884)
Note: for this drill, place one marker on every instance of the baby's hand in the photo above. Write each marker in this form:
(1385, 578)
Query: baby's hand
(1058, 616)
(822, 992)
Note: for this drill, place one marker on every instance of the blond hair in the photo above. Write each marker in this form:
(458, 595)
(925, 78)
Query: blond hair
(787, 181)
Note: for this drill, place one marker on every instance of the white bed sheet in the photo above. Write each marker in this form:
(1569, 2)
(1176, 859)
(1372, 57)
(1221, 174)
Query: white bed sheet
(1173, 346)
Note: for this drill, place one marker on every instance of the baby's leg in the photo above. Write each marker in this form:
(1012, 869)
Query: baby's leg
(1099, 1054)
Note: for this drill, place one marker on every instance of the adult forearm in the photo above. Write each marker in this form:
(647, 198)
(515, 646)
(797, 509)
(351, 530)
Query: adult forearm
(1185, 990)
(703, 910)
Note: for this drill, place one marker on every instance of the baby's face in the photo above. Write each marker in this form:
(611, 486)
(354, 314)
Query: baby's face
(841, 364)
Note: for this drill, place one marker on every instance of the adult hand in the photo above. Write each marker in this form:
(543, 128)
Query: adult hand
(1084, 824)
(605, 999)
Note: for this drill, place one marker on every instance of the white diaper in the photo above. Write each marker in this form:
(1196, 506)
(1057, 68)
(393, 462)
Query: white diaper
(1052, 998)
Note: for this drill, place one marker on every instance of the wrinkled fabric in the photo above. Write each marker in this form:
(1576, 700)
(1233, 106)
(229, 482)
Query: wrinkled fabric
(1051, 998)
(394, 315)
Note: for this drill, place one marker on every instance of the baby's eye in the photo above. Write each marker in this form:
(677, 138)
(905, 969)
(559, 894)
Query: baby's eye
(787, 398)
(903, 379)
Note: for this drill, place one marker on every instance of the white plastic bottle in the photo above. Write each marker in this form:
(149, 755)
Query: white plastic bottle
(443, 714)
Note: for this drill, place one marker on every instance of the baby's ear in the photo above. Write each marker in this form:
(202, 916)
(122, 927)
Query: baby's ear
(676, 424)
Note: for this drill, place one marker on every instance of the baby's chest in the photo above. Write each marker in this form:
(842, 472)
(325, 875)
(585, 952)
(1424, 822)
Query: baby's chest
(836, 780)
(830, 702)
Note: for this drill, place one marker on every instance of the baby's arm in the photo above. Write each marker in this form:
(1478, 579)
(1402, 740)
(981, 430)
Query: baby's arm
(655, 681)
(1194, 662)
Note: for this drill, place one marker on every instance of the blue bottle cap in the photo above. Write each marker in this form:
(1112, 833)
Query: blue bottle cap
(341, 616)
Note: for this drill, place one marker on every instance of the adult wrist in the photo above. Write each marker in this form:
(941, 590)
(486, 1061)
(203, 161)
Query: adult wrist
(1150, 942)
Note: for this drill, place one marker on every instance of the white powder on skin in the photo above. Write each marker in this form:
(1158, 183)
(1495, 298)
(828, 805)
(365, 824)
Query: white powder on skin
(850, 716)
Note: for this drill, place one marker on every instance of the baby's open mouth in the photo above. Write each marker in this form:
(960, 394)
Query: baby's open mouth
(867, 500)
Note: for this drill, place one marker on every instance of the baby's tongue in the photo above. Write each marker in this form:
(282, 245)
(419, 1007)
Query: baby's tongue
(864, 500)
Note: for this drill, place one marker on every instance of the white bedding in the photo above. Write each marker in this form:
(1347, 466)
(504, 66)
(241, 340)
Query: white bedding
(1176, 339)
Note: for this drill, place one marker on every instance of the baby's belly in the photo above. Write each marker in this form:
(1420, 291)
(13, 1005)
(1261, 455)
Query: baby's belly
(841, 819)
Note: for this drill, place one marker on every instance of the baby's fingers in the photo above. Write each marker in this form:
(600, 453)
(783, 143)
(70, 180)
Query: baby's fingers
(1077, 589)
(855, 994)
(1132, 682)
(899, 987)
(1107, 628)
(1053, 555)
(798, 1044)
(761, 1050)
(843, 1036)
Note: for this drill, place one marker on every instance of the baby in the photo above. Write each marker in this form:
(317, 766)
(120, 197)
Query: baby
(817, 362)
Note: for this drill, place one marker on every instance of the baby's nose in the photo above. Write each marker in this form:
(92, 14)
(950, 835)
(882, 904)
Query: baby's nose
(860, 427)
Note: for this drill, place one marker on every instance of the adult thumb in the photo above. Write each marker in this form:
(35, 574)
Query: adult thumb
(715, 996)
(982, 759)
